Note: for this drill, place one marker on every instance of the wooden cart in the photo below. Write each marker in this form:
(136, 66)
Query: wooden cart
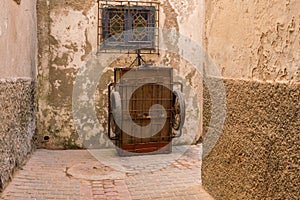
(131, 96)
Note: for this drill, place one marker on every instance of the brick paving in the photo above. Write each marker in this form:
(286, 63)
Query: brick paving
(76, 174)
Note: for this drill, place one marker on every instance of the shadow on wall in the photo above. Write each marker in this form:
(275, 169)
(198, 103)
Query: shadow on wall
(18, 1)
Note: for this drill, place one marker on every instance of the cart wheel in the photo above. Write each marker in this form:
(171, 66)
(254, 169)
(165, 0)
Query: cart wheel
(179, 110)
(116, 107)
(113, 125)
(114, 128)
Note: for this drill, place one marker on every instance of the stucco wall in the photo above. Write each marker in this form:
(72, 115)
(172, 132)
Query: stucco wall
(67, 34)
(254, 40)
(17, 38)
(255, 45)
(17, 83)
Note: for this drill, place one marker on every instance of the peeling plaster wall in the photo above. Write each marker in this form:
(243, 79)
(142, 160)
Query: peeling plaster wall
(65, 29)
(256, 46)
(17, 84)
(257, 40)
(67, 34)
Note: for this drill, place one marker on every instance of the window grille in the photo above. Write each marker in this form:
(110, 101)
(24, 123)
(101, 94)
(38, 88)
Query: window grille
(125, 26)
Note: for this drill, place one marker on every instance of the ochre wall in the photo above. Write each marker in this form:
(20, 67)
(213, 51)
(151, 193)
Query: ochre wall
(256, 46)
(67, 35)
(17, 82)
(257, 155)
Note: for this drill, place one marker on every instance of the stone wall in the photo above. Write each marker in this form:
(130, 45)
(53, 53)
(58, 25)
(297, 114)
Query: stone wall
(255, 45)
(17, 125)
(67, 35)
(258, 154)
(17, 83)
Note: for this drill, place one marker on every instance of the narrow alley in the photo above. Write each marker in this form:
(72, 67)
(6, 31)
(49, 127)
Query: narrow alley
(76, 174)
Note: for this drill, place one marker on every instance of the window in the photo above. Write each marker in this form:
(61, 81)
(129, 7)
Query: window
(128, 27)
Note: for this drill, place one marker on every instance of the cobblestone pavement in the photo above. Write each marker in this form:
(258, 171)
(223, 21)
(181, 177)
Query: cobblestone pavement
(77, 174)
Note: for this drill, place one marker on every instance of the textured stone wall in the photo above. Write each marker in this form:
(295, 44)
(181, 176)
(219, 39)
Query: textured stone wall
(17, 125)
(258, 153)
(255, 45)
(17, 82)
(67, 35)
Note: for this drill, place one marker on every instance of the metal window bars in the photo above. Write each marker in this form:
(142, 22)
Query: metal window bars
(127, 26)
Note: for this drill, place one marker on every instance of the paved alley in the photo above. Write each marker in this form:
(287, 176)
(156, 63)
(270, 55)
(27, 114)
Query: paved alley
(78, 174)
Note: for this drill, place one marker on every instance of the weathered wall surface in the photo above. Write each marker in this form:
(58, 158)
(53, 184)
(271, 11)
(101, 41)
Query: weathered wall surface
(254, 40)
(17, 82)
(17, 125)
(67, 34)
(258, 154)
(17, 38)
(256, 45)
(65, 29)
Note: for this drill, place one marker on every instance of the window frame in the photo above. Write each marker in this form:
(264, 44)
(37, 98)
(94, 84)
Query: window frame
(147, 46)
